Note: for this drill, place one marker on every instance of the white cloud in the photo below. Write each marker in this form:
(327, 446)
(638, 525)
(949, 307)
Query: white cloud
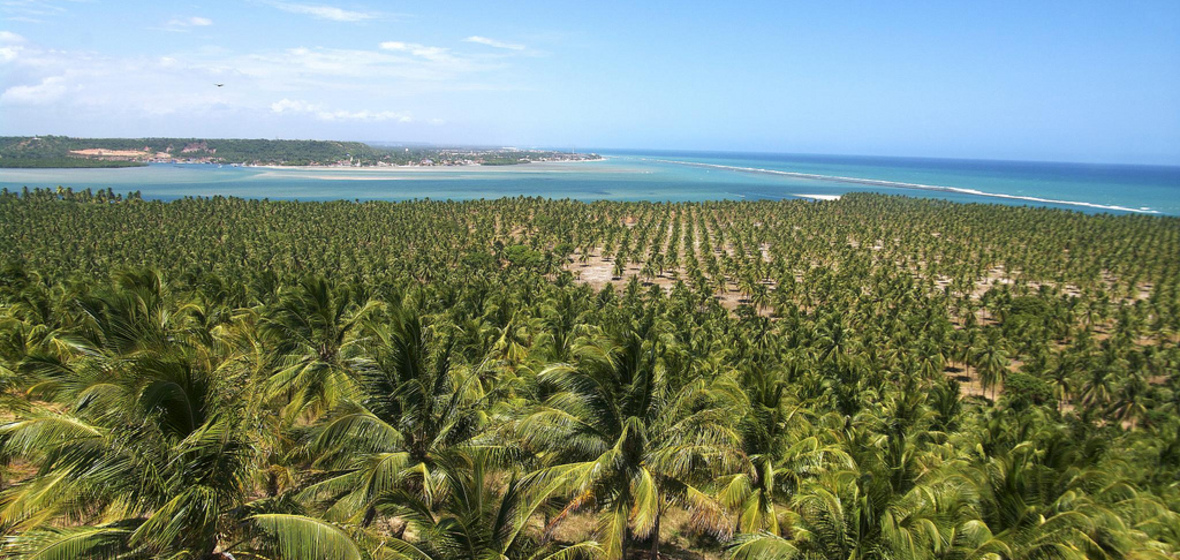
(429, 53)
(325, 12)
(291, 88)
(494, 43)
(88, 84)
(287, 105)
(303, 107)
(195, 21)
(186, 23)
(364, 116)
(30, 11)
(12, 46)
(50, 89)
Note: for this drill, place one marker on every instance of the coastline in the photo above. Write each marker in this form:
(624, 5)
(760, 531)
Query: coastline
(913, 186)
(371, 168)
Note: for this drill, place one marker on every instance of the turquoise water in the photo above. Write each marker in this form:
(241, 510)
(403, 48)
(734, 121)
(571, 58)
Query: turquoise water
(677, 176)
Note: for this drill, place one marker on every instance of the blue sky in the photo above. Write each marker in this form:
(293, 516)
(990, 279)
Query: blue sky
(1062, 81)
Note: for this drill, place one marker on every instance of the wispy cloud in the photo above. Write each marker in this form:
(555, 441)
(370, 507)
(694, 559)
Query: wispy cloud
(301, 107)
(194, 21)
(406, 64)
(495, 43)
(32, 11)
(437, 54)
(184, 24)
(321, 11)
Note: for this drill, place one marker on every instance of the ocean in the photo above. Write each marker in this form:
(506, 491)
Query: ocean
(658, 175)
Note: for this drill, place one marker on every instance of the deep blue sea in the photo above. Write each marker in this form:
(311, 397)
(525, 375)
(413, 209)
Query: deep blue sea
(653, 175)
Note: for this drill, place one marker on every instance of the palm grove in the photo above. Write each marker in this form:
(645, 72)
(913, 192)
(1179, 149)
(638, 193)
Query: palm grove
(872, 378)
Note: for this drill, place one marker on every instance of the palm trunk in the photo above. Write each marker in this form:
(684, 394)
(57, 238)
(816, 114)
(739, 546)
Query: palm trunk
(655, 537)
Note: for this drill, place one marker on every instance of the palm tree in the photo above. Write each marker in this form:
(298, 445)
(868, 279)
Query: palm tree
(312, 329)
(147, 458)
(833, 338)
(991, 360)
(618, 268)
(1037, 509)
(760, 296)
(618, 434)
(851, 515)
(513, 344)
(412, 407)
(1062, 378)
(27, 351)
(1132, 400)
(1096, 390)
(476, 518)
(648, 272)
(761, 498)
(133, 317)
(782, 451)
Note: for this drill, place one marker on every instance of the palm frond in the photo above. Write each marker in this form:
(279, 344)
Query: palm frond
(297, 537)
(79, 543)
(44, 433)
(763, 546)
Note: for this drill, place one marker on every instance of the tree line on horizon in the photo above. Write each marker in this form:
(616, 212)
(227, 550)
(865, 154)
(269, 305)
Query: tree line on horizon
(872, 378)
(57, 151)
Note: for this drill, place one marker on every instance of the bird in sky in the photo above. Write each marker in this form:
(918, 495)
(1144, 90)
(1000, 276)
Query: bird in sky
(219, 85)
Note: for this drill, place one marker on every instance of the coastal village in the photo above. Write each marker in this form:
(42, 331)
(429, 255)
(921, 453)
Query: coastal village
(201, 153)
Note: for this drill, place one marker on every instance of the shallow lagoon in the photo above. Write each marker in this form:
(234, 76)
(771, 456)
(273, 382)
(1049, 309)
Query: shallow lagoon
(674, 176)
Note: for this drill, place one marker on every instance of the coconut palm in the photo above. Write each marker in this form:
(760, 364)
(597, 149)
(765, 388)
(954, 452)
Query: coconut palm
(991, 360)
(617, 434)
(412, 406)
(147, 460)
(1037, 509)
(852, 514)
(782, 450)
(312, 328)
(618, 268)
(476, 518)
(1132, 400)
